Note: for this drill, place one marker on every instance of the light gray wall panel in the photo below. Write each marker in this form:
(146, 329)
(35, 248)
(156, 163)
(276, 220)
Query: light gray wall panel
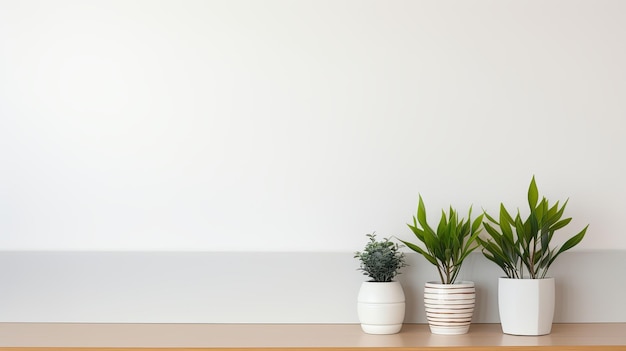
(238, 287)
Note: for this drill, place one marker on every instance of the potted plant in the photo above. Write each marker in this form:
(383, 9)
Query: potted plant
(522, 249)
(381, 304)
(449, 304)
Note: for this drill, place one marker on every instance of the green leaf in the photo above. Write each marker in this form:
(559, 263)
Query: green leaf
(492, 232)
(477, 222)
(421, 215)
(505, 223)
(443, 224)
(573, 241)
(419, 250)
(533, 193)
(491, 219)
(506, 214)
(560, 224)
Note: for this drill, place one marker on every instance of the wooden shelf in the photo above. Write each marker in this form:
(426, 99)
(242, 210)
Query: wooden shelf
(345, 337)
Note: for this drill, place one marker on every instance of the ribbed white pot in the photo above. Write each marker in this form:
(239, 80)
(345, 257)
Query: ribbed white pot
(526, 305)
(381, 307)
(449, 307)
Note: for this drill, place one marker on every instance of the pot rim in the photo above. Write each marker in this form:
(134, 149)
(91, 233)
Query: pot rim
(458, 283)
(526, 279)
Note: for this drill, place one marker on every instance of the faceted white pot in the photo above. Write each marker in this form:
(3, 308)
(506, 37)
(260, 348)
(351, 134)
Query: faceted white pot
(449, 307)
(526, 305)
(381, 307)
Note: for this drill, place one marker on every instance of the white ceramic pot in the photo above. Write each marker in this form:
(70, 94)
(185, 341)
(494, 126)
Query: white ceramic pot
(526, 305)
(449, 307)
(381, 307)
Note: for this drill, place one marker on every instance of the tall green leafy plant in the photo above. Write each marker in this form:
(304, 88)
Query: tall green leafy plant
(448, 246)
(380, 260)
(521, 247)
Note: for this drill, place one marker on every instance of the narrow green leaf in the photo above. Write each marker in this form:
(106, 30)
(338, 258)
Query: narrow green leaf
(533, 193)
(573, 241)
(421, 251)
(477, 222)
(560, 224)
(489, 218)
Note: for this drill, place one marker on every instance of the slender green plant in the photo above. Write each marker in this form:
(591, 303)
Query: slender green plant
(521, 248)
(380, 260)
(449, 245)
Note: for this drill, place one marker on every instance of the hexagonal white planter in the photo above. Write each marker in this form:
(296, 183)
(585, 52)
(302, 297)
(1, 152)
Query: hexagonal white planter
(449, 307)
(526, 305)
(381, 307)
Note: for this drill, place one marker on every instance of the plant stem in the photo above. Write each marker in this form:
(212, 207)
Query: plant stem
(440, 274)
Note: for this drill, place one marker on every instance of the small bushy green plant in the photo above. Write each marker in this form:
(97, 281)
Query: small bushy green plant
(449, 245)
(521, 248)
(380, 260)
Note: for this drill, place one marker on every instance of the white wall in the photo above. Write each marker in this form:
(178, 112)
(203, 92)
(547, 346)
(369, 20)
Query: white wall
(301, 125)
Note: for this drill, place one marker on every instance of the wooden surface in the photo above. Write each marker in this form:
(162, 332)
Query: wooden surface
(42, 336)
